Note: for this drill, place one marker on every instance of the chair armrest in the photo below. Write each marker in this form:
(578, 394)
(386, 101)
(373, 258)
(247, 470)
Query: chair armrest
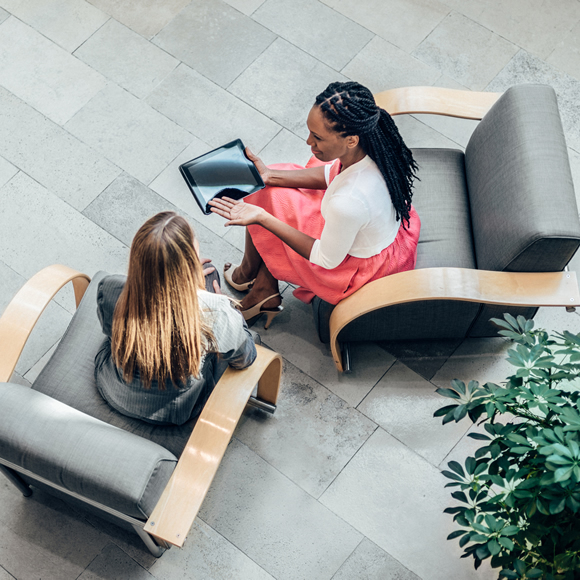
(179, 503)
(26, 307)
(436, 101)
(462, 284)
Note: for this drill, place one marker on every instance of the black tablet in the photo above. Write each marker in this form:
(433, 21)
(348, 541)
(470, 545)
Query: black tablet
(225, 171)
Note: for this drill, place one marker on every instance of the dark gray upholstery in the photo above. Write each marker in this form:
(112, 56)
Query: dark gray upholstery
(508, 204)
(523, 206)
(69, 377)
(441, 200)
(82, 454)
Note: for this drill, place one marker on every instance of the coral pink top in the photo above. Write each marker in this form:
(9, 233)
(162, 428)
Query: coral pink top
(303, 210)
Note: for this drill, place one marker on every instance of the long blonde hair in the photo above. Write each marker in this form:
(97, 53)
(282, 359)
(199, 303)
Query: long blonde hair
(158, 329)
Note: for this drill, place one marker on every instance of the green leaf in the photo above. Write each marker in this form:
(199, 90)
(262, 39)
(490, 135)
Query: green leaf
(458, 385)
(455, 466)
(447, 393)
(470, 465)
(557, 505)
(479, 436)
(456, 534)
(562, 474)
(506, 543)
(493, 547)
(534, 573)
(459, 413)
(453, 476)
(511, 320)
(444, 410)
(520, 567)
(509, 575)
(510, 531)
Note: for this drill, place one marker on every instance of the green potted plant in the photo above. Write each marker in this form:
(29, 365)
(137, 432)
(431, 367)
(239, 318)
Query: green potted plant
(519, 495)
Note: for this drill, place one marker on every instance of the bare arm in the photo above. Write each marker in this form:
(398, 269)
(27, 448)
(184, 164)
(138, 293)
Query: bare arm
(239, 213)
(311, 178)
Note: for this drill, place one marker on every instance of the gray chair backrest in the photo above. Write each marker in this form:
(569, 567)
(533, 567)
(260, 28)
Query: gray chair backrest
(523, 207)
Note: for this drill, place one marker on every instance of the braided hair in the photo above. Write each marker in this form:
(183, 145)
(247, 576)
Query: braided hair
(350, 109)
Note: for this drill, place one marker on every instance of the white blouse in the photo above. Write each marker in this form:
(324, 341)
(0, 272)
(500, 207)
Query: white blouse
(360, 219)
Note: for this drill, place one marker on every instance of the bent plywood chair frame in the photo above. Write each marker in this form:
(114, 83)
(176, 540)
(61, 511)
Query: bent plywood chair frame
(181, 500)
(505, 288)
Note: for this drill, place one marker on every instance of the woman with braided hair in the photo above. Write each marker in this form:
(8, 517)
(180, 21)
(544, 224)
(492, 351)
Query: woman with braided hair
(341, 222)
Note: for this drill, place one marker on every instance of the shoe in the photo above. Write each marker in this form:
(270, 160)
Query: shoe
(239, 287)
(256, 311)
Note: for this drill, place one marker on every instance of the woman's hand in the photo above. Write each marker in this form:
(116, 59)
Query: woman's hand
(237, 212)
(263, 170)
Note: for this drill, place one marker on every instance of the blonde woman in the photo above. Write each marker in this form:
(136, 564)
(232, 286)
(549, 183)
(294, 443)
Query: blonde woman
(166, 337)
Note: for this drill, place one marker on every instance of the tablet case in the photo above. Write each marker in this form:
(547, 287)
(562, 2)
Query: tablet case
(225, 171)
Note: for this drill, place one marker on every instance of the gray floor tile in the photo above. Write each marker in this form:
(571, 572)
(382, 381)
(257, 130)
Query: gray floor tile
(381, 65)
(465, 51)
(273, 521)
(455, 129)
(425, 357)
(209, 112)
(314, 28)
(67, 22)
(417, 134)
(215, 39)
(7, 171)
(293, 333)
(207, 556)
(54, 234)
(403, 403)
(286, 147)
(126, 58)
(129, 133)
(376, 492)
(170, 185)
(19, 380)
(536, 27)
(43, 74)
(479, 359)
(245, 6)
(125, 206)
(34, 371)
(4, 575)
(112, 563)
(405, 23)
(575, 168)
(312, 435)
(51, 155)
(369, 562)
(43, 538)
(47, 331)
(3, 15)
(566, 55)
(147, 17)
(525, 68)
(294, 80)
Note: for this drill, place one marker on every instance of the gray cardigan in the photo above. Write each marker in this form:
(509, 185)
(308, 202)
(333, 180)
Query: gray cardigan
(174, 404)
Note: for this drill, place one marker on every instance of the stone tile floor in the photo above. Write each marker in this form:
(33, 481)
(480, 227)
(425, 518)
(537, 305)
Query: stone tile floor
(100, 101)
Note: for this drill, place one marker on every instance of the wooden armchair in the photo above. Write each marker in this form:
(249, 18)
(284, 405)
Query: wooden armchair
(157, 495)
(499, 223)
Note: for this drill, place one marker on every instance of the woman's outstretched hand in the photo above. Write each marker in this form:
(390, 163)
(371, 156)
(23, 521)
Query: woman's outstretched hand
(263, 170)
(237, 212)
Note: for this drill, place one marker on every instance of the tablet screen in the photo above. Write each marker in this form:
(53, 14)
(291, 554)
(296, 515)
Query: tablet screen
(223, 171)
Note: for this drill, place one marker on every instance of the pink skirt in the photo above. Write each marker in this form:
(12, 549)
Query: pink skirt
(300, 208)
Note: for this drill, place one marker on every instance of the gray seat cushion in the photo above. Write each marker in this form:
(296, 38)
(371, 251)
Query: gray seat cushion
(441, 200)
(69, 377)
(82, 454)
(523, 206)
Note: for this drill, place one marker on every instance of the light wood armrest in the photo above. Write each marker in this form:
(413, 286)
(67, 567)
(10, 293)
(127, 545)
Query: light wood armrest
(177, 508)
(26, 307)
(436, 101)
(505, 288)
